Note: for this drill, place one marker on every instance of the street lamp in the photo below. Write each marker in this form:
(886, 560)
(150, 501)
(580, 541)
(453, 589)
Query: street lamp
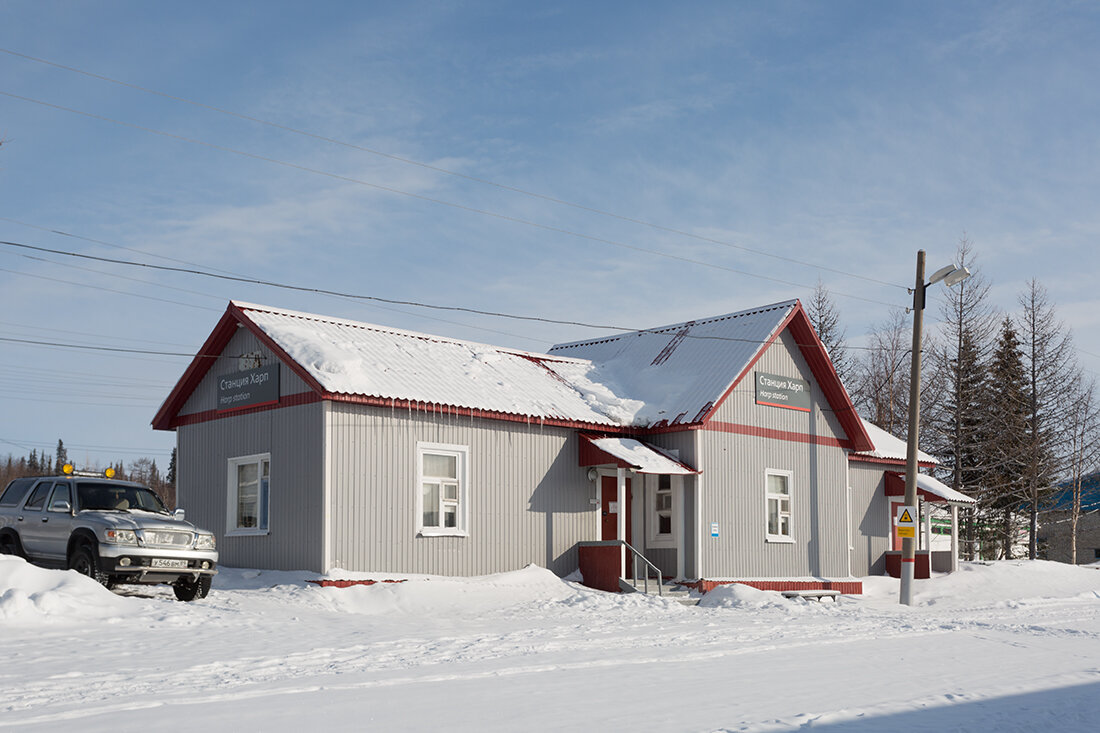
(950, 275)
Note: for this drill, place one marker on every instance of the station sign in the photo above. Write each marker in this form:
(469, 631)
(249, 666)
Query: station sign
(775, 390)
(249, 388)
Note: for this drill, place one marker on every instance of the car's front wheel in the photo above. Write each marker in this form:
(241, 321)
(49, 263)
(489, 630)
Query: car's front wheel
(85, 562)
(191, 590)
(9, 545)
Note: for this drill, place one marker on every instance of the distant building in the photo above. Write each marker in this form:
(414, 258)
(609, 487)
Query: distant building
(1055, 524)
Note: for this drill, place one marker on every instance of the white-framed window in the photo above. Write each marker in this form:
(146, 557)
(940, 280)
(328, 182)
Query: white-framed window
(249, 495)
(442, 494)
(663, 510)
(777, 490)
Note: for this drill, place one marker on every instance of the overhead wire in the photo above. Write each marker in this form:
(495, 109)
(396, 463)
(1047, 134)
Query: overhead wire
(449, 172)
(355, 296)
(431, 199)
(376, 306)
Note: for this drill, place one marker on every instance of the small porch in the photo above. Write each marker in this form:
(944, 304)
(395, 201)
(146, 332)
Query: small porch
(931, 554)
(641, 529)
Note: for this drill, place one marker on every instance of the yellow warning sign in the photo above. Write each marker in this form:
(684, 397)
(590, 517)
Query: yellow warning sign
(907, 531)
(905, 518)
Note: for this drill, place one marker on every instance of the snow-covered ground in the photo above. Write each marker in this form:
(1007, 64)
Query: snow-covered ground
(1010, 646)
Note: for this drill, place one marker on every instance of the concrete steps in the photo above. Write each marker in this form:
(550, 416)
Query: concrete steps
(671, 590)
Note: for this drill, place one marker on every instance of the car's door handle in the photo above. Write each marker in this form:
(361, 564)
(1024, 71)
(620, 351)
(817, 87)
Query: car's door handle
(45, 519)
(19, 519)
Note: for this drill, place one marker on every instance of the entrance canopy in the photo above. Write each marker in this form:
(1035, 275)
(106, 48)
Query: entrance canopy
(928, 488)
(630, 453)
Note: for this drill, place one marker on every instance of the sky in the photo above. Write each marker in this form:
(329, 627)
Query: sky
(617, 164)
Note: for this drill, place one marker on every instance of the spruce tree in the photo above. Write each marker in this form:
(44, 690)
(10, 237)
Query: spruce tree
(61, 457)
(1003, 474)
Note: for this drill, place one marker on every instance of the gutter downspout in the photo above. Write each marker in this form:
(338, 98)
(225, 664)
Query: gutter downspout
(698, 507)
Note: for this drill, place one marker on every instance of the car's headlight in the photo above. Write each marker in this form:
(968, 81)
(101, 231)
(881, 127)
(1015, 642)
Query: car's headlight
(204, 542)
(121, 536)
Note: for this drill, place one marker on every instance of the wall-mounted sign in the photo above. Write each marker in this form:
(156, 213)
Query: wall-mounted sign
(907, 521)
(249, 388)
(778, 391)
(714, 529)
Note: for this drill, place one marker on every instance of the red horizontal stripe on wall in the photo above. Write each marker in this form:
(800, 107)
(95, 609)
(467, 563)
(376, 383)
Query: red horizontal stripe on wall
(759, 432)
(293, 400)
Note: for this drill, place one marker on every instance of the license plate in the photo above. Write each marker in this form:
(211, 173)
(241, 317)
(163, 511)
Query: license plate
(160, 562)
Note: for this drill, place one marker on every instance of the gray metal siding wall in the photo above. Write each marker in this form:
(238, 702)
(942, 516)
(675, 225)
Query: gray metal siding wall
(683, 443)
(734, 483)
(293, 437)
(528, 498)
(870, 518)
(205, 397)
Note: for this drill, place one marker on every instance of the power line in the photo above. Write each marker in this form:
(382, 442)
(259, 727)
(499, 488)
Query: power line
(100, 288)
(354, 296)
(446, 171)
(429, 199)
(303, 289)
(113, 349)
(228, 272)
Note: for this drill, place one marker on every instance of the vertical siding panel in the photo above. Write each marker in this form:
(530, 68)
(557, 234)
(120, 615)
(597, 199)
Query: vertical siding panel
(525, 485)
(734, 493)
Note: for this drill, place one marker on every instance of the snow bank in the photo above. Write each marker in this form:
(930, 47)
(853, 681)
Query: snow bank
(1004, 582)
(736, 595)
(31, 595)
(447, 596)
(1009, 582)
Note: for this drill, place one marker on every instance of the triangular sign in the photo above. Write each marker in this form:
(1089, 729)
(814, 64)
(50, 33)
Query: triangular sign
(905, 517)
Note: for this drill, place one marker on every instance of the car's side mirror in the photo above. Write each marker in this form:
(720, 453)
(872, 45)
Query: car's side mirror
(179, 514)
(61, 507)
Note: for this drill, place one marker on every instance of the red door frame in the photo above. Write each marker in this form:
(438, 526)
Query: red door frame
(609, 522)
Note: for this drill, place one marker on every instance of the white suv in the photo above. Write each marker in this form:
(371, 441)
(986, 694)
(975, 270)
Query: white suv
(112, 531)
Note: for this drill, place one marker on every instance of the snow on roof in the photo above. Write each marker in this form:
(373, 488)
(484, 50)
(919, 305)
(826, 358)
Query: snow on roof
(942, 490)
(643, 457)
(889, 447)
(353, 358)
(678, 371)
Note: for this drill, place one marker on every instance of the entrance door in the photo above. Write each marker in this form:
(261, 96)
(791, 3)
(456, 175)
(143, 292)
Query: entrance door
(894, 506)
(609, 495)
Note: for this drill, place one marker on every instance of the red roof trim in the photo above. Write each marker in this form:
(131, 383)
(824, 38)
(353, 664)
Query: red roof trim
(589, 454)
(294, 400)
(815, 354)
(209, 353)
(759, 432)
(813, 351)
(280, 354)
(167, 416)
(894, 485)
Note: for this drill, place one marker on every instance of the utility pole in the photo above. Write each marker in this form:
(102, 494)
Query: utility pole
(951, 275)
(909, 544)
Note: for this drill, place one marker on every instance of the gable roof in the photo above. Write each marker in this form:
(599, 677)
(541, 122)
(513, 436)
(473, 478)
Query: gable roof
(929, 488)
(673, 375)
(349, 361)
(887, 447)
(682, 373)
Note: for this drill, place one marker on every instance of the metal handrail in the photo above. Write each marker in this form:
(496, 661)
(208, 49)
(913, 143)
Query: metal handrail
(634, 570)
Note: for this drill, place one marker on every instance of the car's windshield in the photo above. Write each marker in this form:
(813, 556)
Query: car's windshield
(101, 495)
